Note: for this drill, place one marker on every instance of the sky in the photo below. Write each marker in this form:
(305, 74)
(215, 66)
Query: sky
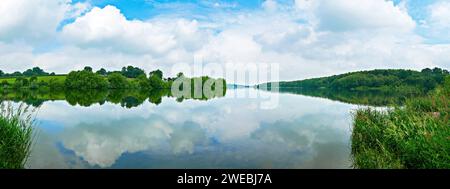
(306, 38)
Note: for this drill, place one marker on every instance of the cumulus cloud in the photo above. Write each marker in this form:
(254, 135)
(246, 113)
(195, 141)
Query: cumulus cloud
(343, 15)
(34, 20)
(108, 28)
(102, 145)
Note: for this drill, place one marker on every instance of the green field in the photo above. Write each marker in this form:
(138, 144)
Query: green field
(59, 78)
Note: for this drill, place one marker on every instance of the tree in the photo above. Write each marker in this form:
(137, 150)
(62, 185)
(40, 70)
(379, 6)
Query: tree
(143, 83)
(33, 79)
(156, 82)
(87, 68)
(102, 71)
(36, 71)
(85, 80)
(33, 82)
(5, 83)
(427, 70)
(158, 73)
(118, 81)
(16, 74)
(25, 82)
(437, 70)
(20, 82)
(132, 72)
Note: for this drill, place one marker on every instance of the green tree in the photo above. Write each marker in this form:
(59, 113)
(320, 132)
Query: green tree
(36, 71)
(18, 83)
(33, 79)
(156, 82)
(87, 68)
(85, 80)
(143, 82)
(5, 84)
(118, 81)
(16, 74)
(102, 71)
(132, 72)
(34, 83)
(157, 73)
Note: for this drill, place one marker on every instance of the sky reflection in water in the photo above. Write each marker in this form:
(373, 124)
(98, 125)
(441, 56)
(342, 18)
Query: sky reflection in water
(302, 132)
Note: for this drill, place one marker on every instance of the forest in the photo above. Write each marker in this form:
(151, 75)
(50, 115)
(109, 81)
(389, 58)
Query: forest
(376, 87)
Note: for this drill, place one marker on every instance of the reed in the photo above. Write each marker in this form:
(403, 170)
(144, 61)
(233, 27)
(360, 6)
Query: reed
(414, 136)
(16, 135)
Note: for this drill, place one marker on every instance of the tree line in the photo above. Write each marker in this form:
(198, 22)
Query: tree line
(36, 71)
(86, 79)
(397, 81)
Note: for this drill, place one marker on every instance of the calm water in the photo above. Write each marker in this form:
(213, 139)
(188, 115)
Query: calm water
(228, 132)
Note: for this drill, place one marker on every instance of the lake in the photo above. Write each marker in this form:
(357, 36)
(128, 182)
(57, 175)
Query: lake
(226, 132)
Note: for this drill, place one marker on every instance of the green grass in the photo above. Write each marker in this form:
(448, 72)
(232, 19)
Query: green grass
(415, 136)
(16, 135)
(58, 78)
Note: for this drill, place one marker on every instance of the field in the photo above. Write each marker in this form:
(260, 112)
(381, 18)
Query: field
(59, 78)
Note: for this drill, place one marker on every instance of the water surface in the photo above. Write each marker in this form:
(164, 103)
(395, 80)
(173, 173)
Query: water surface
(227, 132)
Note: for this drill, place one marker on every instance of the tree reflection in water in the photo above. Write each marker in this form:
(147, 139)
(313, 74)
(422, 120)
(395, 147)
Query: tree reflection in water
(124, 97)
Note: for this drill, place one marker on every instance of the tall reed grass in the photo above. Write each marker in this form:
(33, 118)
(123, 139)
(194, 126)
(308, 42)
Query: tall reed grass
(16, 135)
(415, 136)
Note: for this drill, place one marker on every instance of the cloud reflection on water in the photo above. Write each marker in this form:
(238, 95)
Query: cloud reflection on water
(303, 132)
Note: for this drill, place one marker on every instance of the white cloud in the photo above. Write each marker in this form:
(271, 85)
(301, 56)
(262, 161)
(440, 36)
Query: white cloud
(15, 56)
(437, 25)
(343, 15)
(108, 28)
(440, 14)
(34, 20)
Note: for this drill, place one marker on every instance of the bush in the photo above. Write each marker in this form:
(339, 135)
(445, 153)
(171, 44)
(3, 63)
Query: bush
(85, 80)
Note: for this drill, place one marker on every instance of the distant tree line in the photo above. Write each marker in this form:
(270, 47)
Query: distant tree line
(36, 71)
(127, 78)
(388, 80)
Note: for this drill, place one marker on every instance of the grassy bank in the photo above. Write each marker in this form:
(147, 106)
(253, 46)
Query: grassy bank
(16, 135)
(416, 135)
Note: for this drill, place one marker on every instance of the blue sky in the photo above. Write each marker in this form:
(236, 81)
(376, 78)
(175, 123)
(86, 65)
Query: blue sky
(145, 9)
(200, 9)
(306, 38)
